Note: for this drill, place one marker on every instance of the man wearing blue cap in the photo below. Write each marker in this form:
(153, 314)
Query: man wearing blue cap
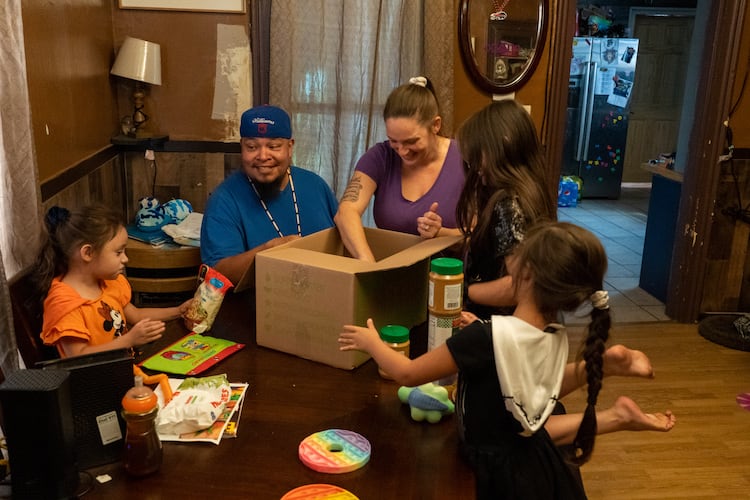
(267, 202)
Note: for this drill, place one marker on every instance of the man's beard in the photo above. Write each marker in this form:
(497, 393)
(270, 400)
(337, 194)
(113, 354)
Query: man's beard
(270, 190)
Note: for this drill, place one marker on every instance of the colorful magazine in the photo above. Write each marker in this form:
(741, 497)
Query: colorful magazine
(191, 355)
(237, 399)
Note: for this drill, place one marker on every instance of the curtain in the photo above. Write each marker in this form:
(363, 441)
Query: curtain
(19, 212)
(333, 64)
(8, 348)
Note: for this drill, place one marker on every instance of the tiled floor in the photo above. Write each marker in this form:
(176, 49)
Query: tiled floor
(621, 226)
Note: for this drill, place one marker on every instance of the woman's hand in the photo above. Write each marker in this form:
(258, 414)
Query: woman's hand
(348, 218)
(430, 223)
(145, 331)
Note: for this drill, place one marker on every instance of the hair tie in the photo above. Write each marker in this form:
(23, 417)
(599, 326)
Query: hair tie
(56, 216)
(600, 299)
(418, 80)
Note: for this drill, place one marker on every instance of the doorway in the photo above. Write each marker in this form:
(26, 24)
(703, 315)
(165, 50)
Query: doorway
(716, 50)
(654, 119)
(653, 128)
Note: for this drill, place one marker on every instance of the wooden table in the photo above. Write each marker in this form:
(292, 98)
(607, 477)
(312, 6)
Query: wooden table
(288, 399)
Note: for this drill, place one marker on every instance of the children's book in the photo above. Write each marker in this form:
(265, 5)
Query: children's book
(191, 355)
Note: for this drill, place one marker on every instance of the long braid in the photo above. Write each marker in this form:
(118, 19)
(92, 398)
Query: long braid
(567, 264)
(592, 353)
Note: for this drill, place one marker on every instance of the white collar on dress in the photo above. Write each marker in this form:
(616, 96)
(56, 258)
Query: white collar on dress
(530, 364)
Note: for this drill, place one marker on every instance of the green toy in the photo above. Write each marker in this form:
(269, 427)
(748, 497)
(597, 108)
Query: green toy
(427, 402)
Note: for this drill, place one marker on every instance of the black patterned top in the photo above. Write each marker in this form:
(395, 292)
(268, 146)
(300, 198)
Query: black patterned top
(488, 263)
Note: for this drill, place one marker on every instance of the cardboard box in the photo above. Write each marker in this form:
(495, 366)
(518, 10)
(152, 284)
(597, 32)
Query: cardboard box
(306, 290)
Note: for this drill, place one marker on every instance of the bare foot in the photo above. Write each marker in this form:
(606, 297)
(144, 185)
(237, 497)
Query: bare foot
(625, 362)
(632, 417)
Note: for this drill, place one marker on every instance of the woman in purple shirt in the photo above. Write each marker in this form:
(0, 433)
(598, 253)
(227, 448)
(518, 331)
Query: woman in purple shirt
(416, 176)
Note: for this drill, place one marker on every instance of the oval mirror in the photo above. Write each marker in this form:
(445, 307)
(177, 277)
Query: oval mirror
(501, 41)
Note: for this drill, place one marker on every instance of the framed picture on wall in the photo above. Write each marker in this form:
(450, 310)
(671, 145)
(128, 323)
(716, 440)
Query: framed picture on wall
(237, 6)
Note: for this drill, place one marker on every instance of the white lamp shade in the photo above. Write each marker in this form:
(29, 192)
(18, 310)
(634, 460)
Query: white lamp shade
(139, 60)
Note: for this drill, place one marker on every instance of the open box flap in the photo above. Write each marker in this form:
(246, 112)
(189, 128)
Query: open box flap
(422, 250)
(318, 259)
(325, 249)
(326, 240)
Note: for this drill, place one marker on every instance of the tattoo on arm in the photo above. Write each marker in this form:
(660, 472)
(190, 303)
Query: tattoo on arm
(351, 193)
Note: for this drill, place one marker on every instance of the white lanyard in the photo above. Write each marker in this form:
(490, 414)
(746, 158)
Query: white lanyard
(268, 212)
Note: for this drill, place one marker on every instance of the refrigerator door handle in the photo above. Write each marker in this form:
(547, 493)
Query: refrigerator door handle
(582, 111)
(588, 110)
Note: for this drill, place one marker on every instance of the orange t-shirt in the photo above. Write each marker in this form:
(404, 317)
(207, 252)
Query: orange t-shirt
(97, 321)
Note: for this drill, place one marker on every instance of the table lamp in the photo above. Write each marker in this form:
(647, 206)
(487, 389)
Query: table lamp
(138, 60)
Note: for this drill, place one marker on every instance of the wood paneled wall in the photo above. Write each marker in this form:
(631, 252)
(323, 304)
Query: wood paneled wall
(68, 56)
(740, 118)
(76, 104)
(183, 105)
(727, 279)
(190, 176)
(104, 185)
(125, 178)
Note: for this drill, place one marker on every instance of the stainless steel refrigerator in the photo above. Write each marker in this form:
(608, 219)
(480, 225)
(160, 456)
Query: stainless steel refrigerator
(602, 72)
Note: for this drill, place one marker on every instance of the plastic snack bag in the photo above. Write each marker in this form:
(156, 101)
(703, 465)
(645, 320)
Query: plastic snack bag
(207, 300)
(195, 405)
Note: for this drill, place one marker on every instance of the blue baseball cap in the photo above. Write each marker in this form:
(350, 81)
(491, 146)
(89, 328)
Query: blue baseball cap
(266, 121)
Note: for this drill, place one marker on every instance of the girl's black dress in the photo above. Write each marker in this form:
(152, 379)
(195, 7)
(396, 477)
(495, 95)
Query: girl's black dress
(507, 465)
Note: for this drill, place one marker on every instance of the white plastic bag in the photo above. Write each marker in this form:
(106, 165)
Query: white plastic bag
(195, 405)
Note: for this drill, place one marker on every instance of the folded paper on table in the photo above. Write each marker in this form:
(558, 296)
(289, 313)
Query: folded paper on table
(191, 355)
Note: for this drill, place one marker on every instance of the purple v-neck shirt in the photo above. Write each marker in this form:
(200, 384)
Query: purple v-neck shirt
(390, 209)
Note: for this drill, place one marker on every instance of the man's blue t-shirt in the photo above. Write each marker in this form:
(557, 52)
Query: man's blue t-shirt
(235, 221)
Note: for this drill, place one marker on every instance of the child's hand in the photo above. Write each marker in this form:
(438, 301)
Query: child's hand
(185, 307)
(358, 338)
(467, 318)
(145, 331)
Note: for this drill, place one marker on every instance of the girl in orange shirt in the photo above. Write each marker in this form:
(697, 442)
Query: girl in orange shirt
(79, 272)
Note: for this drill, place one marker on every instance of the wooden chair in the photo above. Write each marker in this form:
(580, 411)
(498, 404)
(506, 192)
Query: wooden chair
(161, 272)
(27, 321)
